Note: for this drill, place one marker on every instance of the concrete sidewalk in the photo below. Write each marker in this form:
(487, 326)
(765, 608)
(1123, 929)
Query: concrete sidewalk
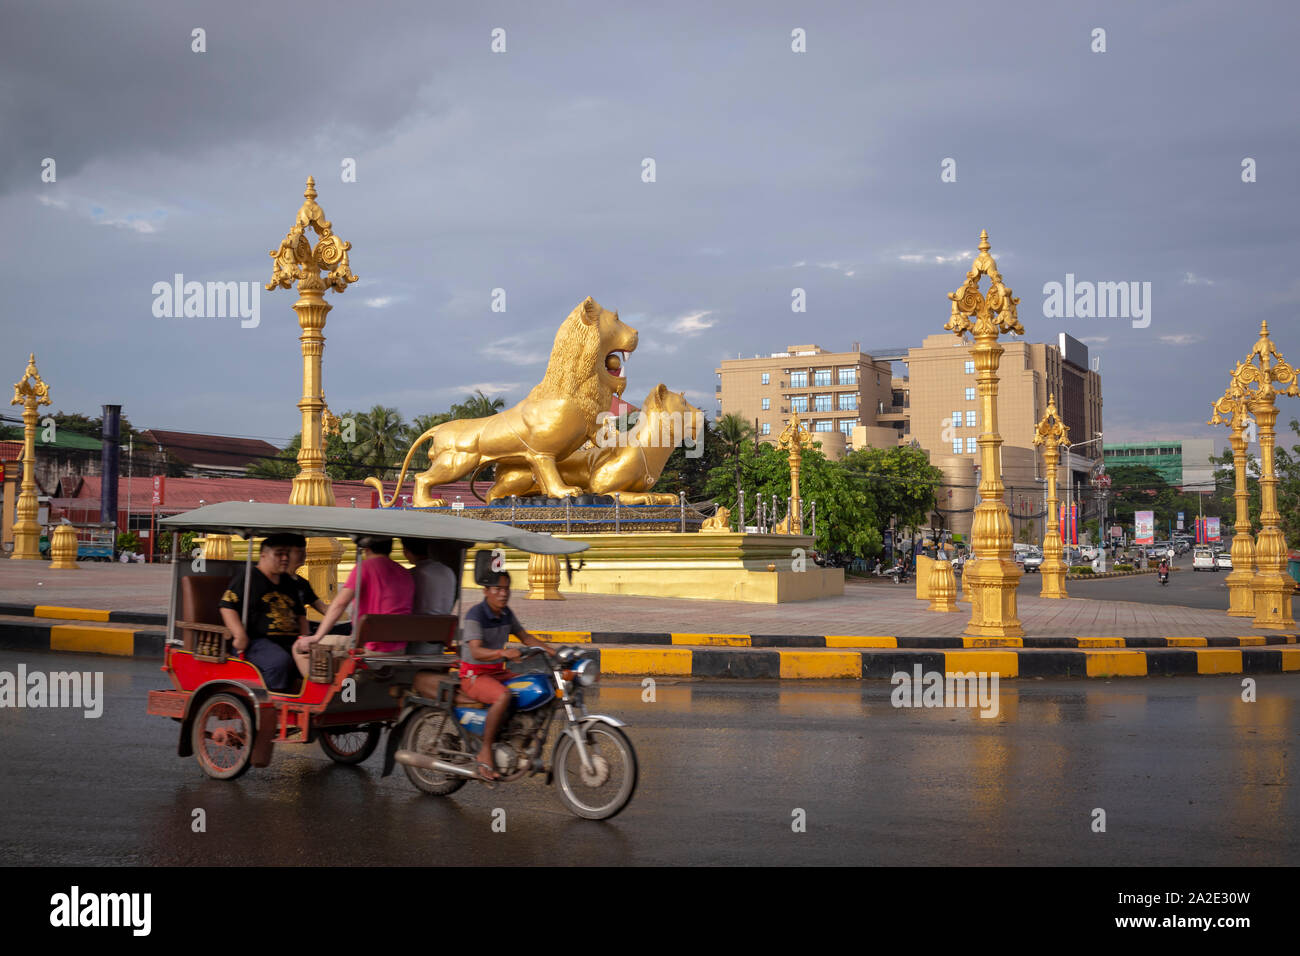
(866, 609)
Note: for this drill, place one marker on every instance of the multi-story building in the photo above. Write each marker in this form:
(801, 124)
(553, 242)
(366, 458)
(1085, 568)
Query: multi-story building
(1184, 462)
(833, 392)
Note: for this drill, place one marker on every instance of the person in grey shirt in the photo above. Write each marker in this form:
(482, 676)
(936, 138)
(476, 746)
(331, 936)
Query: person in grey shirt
(435, 583)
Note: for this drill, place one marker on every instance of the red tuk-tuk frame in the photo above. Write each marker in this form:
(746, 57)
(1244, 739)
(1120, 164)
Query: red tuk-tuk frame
(229, 720)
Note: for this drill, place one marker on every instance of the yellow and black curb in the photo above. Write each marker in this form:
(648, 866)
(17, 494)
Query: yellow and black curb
(838, 641)
(83, 639)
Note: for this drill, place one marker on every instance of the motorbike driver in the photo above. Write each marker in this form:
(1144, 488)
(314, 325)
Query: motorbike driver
(483, 649)
(1163, 567)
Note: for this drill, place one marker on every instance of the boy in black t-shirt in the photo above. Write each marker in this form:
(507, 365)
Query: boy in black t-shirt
(276, 616)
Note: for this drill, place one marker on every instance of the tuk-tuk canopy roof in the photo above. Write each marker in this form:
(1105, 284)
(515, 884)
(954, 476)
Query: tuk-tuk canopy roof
(250, 519)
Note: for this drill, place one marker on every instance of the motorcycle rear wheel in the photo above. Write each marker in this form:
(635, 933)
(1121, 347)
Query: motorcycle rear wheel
(611, 746)
(424, 734)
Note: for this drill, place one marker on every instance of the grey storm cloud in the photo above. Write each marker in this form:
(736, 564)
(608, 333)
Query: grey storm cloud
(522, 170)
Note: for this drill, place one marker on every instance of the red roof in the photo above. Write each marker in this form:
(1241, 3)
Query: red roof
(218, 451)
(11, 450)
(184, 494)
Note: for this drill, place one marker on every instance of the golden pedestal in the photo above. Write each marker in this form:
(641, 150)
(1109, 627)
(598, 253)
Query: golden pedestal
(943, 587)
(63, 548)
(924, 567)
(216, 547)
(1241, 595)
(544, 578)
(719, 567)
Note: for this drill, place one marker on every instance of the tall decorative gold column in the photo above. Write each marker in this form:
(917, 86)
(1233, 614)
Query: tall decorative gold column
(993, 578)
(1231, 410)
(795, 438)
(1052, 434)
(297, 261)
(30, 392)
(1268, 372)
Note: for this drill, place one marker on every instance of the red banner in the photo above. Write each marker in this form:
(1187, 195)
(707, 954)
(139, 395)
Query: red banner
(159, 490)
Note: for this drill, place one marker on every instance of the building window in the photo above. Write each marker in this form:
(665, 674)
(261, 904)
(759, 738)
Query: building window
(970, 368)
(767, 404)
(846, 426)
(970, 394)
(767, 378)
(970, 417)
(822, 378)
(970, 446)
(848, 402)
(956, 419)
(822, 425)
(799, 403)
(848, 376)
(822, 403)
(766, 429)
(877, 378)
(956, 446)
(798, 379)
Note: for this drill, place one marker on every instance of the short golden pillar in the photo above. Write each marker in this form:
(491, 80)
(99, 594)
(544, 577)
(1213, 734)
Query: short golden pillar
(63, 548)
(993, 578)
(216, 547)
(1262, 377)
(795, 438)
(31, 393)
(943, 584)
(296, 260)
(1231, 410)
(1052, 434)
(544, 578)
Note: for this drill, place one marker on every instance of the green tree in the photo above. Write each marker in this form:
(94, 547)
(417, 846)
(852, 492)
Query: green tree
(690, 473)
(340, 464)
(379, 436)
(733, 432)
(477, 405)
(846, 521)
(900, 481)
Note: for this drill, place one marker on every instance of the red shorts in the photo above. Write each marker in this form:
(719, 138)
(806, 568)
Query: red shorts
(483, 688)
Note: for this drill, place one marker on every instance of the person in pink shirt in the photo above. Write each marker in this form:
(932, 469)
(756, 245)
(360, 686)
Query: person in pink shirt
(386, 588)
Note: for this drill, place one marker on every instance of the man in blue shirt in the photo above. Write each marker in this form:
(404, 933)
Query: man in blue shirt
(483, 639)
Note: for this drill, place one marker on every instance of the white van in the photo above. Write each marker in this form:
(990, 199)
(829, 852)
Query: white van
(1203, 560)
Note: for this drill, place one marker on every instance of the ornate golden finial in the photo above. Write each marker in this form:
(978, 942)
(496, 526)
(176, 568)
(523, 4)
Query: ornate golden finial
(297, 261)
(994, 312)
(31, 385)
(1051, 430)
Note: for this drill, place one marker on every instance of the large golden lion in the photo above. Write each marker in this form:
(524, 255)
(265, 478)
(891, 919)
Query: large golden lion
(558, 416)
(628, 464)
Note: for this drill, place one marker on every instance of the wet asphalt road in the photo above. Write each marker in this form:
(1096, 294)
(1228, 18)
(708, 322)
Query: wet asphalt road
(1186, 772)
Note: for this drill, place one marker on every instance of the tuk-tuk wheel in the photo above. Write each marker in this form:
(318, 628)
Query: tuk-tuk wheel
(351, 745)
(222, 737)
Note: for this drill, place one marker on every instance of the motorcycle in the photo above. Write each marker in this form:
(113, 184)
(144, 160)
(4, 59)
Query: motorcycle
(593, 762)
(1163, 574)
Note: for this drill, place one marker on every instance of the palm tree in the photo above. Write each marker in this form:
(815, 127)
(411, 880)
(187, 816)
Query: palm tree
(732, 431)
(477, 405)
(422, 423)
(379, 436)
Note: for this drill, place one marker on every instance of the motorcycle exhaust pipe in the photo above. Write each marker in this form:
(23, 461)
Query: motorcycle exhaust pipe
(412, 759)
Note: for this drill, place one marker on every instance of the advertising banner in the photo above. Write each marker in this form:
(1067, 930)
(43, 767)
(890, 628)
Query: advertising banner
(1074, 524)
(1212, 529)
(1144, 527)
(1180, 521)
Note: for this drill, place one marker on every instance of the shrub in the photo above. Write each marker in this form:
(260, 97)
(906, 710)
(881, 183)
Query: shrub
(1123, 567)
(1081, 569)
(128, 541)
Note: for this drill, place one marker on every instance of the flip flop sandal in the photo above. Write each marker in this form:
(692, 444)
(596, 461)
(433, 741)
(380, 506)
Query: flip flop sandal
(490, 781)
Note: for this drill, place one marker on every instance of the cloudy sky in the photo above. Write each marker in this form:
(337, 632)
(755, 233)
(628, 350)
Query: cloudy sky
(523, 170)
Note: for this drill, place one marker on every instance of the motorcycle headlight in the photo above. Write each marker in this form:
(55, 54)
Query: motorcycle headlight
(587, 672)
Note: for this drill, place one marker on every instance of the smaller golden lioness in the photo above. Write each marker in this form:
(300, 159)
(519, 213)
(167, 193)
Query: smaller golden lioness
(627, 463)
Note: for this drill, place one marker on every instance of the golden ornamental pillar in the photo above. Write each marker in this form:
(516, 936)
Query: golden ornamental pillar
(1262, 377)
(297, 261)
(795, 438)
(1052, 434)
(993, 578)
(30, 392)
(1231, 410)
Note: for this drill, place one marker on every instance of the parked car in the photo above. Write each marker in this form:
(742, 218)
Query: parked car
(1223, 561)
(1203, 560)
(1088, 552)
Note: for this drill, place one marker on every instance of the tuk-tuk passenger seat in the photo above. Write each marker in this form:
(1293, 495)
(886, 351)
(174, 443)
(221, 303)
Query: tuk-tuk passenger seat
(406, 629)
(199, 617)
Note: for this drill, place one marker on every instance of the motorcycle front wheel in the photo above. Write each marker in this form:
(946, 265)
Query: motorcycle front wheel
(606, 790)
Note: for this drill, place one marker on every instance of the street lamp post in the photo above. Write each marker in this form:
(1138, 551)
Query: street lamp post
(296, 260)
(1268, 373)
(1069, 477)
(992, 580)
(1231, 410)
(1051, 433)
(30, 392)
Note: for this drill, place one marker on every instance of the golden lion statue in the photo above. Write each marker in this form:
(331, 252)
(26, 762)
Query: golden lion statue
(627, 464)
(559, 415)
(721, 520)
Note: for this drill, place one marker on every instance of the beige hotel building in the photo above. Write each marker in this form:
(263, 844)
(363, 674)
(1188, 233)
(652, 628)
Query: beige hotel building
(853, 400)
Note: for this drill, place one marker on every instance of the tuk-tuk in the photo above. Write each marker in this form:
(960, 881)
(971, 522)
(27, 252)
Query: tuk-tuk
(229, 719)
